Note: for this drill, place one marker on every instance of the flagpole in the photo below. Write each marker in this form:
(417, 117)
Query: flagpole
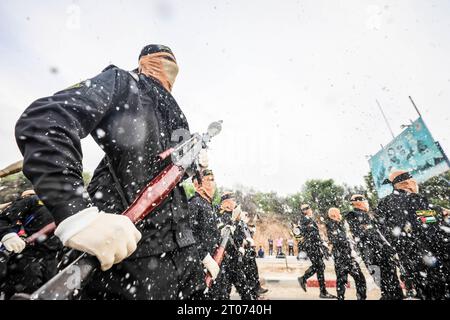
(415, 107)
(385, 119)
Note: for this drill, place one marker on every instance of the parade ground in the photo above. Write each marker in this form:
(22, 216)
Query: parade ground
(280, 277)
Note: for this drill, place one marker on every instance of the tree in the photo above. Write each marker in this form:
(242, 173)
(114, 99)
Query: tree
(12, 186)
(371, 193)
(437, 190)
(189, 189)
(295, 201)
(270, 202)
(248, 202)
(322, 195)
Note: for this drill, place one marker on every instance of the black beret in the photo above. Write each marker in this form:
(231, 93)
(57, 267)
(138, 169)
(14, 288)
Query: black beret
(403, 177)
(226, 195)
(207, 172)
(154, 48)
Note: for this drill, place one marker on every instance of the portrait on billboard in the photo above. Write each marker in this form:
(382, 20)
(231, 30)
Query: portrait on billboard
(413, 150)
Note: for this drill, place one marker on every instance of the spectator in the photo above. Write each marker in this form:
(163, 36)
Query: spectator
(291, 247)
(279, 246)
(261, 252)
(270, 246)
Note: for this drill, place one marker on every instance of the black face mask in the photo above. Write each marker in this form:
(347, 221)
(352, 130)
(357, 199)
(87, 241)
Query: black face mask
(403, 177)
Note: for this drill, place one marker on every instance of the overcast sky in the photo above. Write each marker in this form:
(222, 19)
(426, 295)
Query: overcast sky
(295, 82)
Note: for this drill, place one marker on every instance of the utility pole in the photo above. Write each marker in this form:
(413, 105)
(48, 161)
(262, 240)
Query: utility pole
(385, 119)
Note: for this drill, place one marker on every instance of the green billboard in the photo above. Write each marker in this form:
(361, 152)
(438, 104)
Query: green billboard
(413, 150)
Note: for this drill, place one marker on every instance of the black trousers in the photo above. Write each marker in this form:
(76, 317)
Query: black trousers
(232, 273)
(343, 267)
(252, 274)
(429, 280)
(291, 251)
(389, 281)
(381, 264)
(317, 267)
(172, 275)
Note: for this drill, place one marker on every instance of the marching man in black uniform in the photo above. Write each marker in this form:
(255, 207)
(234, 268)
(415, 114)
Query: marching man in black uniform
(205, 224)
(413, 228)
(233, 267)
(344, 263)
(132, 116)
(27, 267)
(260, 288)
(313, 246)
(249, 259)
(375, 252)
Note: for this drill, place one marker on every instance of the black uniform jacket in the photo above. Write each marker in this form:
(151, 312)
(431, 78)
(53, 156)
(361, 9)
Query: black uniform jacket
(365, 230)
(337, 236)
(238, 236)
(30, 214)
(131, 117)
(410, 223)
(312, 243)
(205, 224)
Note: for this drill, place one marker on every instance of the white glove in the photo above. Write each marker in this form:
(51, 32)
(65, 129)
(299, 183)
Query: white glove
(242, 250)
(445, 212)
(231, 228)
(13, 242)
(203, 158)
(109, 237)
(236, 213)
(250, 242)
(4, 205)
(211, 265)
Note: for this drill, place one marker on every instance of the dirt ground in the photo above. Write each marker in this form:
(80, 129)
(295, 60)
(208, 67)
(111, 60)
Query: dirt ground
(273, 227)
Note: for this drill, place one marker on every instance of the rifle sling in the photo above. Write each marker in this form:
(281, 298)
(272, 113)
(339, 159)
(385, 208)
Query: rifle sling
(117, 184)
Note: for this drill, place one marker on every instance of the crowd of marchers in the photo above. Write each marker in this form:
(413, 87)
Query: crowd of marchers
(403, 243)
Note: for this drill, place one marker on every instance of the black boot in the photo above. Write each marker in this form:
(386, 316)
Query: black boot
(302, 282)
(326, 295)
(262, 290)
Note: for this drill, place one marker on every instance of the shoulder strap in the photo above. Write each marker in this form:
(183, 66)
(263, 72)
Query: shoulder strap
(134, 75)
(117, 184)
(29, 219)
